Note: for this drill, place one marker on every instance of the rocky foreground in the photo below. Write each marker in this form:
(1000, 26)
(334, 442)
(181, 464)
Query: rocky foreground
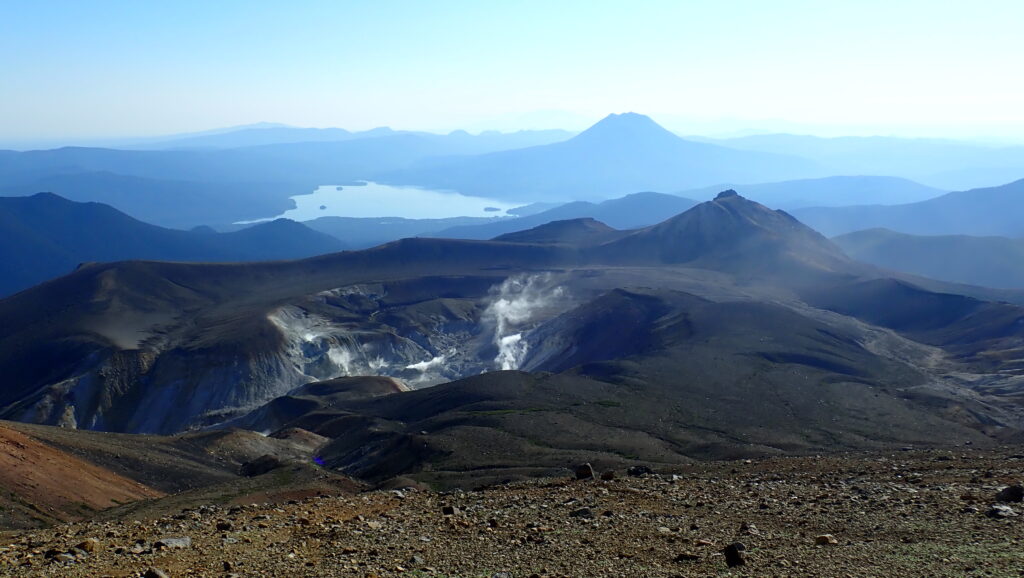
(908, 513)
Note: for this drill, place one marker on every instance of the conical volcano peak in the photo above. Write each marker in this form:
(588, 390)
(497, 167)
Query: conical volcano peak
(626, 119)
(626, 126)
(735, 234)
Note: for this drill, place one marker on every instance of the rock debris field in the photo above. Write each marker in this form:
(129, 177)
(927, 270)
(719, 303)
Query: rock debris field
(902, 513)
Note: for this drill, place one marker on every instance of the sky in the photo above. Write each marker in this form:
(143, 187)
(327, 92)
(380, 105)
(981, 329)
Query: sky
(104, 69)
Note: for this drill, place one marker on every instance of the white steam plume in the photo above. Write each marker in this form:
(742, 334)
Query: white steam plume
(517, 302)
(425, 366)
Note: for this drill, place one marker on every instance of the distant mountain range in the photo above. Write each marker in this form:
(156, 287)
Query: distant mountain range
(364, 232)
(44, 236)
(248, 173)
(169, 203)
(944, 164)
(45, 233)
(487, 141)
(982, 212)
(218, 186)
(828, 192)
(988, 261)
(622, 154)
(629, 212)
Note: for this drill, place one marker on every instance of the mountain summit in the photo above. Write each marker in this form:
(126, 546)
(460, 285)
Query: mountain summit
(734, 233)
(626, 128)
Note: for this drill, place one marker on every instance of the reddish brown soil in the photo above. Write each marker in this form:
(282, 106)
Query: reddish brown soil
(44, 484)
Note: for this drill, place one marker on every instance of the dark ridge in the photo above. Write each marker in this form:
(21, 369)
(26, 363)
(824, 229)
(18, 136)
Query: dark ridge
(584, 231)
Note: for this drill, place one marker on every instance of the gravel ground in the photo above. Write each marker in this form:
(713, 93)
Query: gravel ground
(910, 513)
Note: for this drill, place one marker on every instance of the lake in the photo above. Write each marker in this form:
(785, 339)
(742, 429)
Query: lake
(376, 200)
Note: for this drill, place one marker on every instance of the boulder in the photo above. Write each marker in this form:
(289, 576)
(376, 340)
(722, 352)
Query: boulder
(825, 540)
(261, 465)
(734, 554)
(173, 543)
(584, 472)
(639, 471)
(89, 545)
(999, 511)
(1014, 493)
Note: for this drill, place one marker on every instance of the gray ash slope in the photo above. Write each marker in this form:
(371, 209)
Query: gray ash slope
(709, 335)
(678, 378)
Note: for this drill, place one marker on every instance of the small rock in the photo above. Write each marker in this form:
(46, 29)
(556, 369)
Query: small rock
(686, 557)
(374, 525)
(417, 560)
(608, 475)
(582, 513)
(584, 472)
(173, 543)
(734, 554)
(449, 511)
(749, 529)
(225, 526)
(156, 573)
(1014, 493)
(639, 471)
(825, 540)
(63, 558)
(89, 545)
(999, 511)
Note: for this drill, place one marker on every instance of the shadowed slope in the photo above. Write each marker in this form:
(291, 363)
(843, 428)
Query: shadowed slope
(988, 261)
(648, 376)
(578, 232)
(983, 211)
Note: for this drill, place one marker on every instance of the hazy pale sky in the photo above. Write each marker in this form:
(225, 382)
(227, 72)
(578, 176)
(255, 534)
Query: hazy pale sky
(74, 69)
